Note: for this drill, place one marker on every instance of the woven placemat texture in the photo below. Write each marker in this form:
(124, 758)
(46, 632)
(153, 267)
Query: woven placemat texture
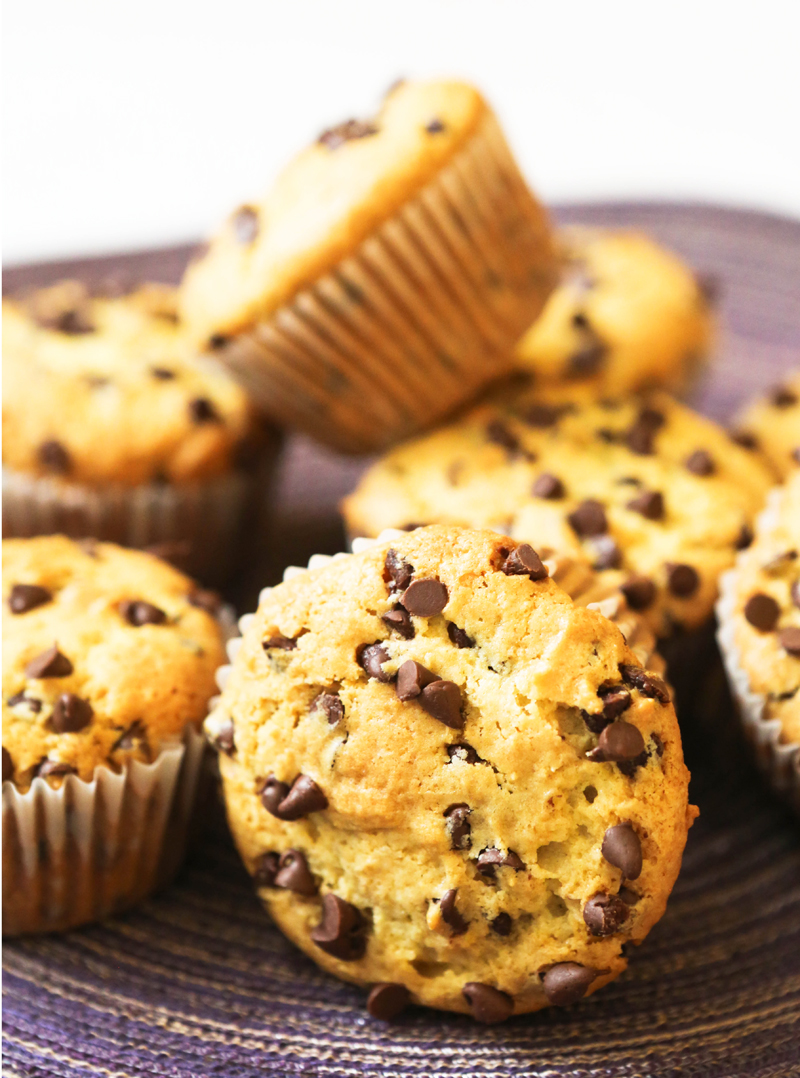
(198, 982)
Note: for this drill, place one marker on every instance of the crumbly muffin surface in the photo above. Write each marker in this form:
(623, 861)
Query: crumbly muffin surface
(628, 315)
(100, 390)
(108, 654)
(771, 426)
(658, 497)
(435, 764)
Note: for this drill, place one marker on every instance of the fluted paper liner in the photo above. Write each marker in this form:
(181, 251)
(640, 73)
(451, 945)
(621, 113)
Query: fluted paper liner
(777, 759)
(417, 319)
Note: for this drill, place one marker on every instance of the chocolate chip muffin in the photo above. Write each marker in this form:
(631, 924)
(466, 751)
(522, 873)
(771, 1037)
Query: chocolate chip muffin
(450, 782)
(108, 665)
(658, 497)
(393, 264)
(759, 634)
(627, 315)
(114, 428)
(771, 426)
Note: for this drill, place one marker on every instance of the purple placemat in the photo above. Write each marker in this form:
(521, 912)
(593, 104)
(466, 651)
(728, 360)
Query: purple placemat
(198, 982)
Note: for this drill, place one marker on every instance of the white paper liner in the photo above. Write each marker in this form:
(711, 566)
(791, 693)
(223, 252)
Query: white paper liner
(778, 760)
(87, 850)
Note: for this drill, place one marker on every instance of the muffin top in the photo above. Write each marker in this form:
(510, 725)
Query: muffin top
(325, 202)
(766, 612)
(772, 426)
(658, 497)
(445, 774)
(627, 315)
(108, 390)
(108, 654)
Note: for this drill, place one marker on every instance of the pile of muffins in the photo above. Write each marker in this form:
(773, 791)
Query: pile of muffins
(451, 759)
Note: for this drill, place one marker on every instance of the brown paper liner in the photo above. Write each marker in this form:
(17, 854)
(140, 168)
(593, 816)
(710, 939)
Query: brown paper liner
(424, 312)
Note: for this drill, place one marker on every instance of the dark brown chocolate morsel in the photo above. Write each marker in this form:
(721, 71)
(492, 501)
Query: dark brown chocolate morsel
(744, 538)
(762, 612)
(640, 437)
(606, 554)
(340, 932)
(162, 374)
(396, 570)
(700, 462)
(412, 677)
(605, 914)
(271, 792)
(490, 859)
(616, 699)
(744, 439)
(245, 224)
(335, 137)
(459, 637)
(450, 915)
(434, 126)
(524, 561)
(442, 701)
(54, 457)
(8, 765)
(425, 598)
(586, 360)
(782, 397)
(488, 1005)
(202, 410)
(502, 924)
(224, 739)
(399, 621)
(639, 592)
(25, 597)
(266, 869)
(542, 416)
(303, 798)
(650, 504)
(370, 658)
(204, 599)
(589, 518)
(50, 663)
(618, 741)
(458, 826)
(623, 849)
(71, 713)
(294, 874)
(567, 982)
(279, 641)
(20, 698)
(647, 684)
(385, 1001)
(548, 486)
(682, 580)
(789, 640)
(138, 612)
(330, 705)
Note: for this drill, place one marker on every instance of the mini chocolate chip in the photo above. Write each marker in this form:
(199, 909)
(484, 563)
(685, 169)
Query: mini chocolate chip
(501, 924)
(397, 570)
(616, 699)
(790, 641)
(203, 599)
(762, 612)
(54, 768)
(605, 914)
(744, 538)
(385, 1001)
(25, 597)
(641, 435)
(425, 598)
(700, 462)
(542, 416)
(647, 684)
(623, 849)
(137, 612)
(442, 701)
(567, 982)
(303, 798)
(606, 553)
(399, 620)
(217, 341)
(464, 752)
(617, 741)
(340, 932)
(434, 127)
(8, 765)
(162, 374)
(50, 663)
(499, 434)
(412, 677)
(586, 360)
(330, 705)
(589, 518)
(203, 411)
(294, 874)
(450, 915)
(370, 658)
(650, 503)
(548, 486)
(489, 1005)
(524, 561)
(271, 792)
(639, 591)
(458, 826)
(72, 321)
(266, 870)
(782, 397)
(458, 636)
(279, 641)
(54, 457)
(745, 439)
(224, 740)
(245, 224)
(71, 713)
(490, 859)
(335, 137)
(682, 580)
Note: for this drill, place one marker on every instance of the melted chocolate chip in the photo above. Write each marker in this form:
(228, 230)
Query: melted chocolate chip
(71, 713)
(605, 914)
(619, 741)
(412, 677)
(524, 561)
(647, 684)
(458, 637)
(458, 826)
(370, 658)
(399, 621)
(335, 137)
(442, 701)
(650, 503)
(567, 982)
(639, 592)
(25, 597)
(202, 410)
(548, 486)
(700, 463)
(340, 932)
(385, 1001)
(396, 570)
(425, 598)
(294, 874)
(245, 224)
(762, 612)
(588, 519)
(502, 924)
(137, 612)
(330, 705)
(266, 870)
(450, 915)
(623, 849)
(682, 580)
(488, 1005)
(54, 457)
(50, 663)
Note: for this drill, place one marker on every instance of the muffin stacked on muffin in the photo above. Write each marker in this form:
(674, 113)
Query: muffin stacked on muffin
(449, 781)
(113, 428)
(109, 658)
(396, 262)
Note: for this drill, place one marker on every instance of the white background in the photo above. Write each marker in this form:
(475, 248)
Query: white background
(132, 123)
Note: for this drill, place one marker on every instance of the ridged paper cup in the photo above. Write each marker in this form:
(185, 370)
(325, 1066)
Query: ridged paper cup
(777, 759)
(421, 315)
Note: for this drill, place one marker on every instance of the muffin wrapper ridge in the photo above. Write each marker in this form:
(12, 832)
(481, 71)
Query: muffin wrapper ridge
(417, 319)
(91, 849)
(201, 522)
(778, 760)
